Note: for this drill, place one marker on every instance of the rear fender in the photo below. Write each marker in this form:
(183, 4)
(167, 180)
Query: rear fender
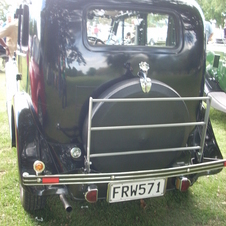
(30, 142)
(27, 129)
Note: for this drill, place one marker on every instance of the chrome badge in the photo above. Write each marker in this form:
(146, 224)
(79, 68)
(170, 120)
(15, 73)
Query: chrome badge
(145, 82)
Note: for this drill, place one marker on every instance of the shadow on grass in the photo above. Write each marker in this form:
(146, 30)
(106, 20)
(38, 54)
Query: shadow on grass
(174, 208)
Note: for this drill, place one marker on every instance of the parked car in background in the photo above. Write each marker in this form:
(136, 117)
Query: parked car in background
(96, 116)
(218, 36)
(215, 80)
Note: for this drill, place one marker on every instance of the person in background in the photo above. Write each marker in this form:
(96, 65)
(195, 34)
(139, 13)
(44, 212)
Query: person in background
(225, 30)
(9, 32)
(8, 19)
(128, 38)
(209, 31)
(1, 48)
(95, 31)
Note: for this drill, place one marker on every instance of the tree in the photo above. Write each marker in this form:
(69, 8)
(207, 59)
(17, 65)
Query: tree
(4, 6)
(214, 10)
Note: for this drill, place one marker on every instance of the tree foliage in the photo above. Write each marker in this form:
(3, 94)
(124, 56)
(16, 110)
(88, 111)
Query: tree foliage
(4, 6)
(214, 10)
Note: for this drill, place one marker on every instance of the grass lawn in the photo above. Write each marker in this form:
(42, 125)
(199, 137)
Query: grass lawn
(203, 204)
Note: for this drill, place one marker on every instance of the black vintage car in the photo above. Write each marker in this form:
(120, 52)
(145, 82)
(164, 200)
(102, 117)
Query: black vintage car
(99, 112)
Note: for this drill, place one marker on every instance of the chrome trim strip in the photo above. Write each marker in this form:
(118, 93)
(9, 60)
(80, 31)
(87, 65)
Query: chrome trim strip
(87, 161)
(144, 151)
(100, 178)
(204, 129)
(148, 126)
(151, 99)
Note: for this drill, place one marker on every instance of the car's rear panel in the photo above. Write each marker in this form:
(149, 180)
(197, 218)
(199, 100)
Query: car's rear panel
(113, 118)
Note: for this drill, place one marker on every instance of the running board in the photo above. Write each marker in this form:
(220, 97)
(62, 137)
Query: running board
(218, 100)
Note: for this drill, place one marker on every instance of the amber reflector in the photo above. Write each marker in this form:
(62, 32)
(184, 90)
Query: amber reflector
(38, 166)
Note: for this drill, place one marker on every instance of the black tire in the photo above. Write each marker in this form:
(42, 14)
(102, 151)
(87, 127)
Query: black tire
(31, 202)
(139, 113)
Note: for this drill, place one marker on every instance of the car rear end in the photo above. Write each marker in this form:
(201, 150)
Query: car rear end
(119, 121)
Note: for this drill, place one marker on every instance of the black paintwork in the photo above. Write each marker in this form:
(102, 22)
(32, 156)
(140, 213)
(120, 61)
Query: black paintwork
(51, 119)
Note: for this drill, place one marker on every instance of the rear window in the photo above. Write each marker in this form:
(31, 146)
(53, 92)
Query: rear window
(131, 27)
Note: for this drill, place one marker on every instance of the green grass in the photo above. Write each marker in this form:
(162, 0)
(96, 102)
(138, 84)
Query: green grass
(203, 204)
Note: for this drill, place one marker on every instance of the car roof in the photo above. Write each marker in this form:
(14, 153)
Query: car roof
(190, 3)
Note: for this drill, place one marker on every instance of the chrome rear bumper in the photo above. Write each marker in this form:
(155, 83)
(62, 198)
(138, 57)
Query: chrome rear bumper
(102, 178)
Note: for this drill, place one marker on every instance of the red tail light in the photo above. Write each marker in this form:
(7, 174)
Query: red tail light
(182, 183)
(50, 180)
(225, 163)
(92, 194)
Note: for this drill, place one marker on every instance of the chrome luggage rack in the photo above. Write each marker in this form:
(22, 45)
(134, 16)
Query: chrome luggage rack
(91, 129)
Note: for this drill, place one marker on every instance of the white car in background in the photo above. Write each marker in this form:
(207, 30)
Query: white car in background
(157, 35)
(218, 36)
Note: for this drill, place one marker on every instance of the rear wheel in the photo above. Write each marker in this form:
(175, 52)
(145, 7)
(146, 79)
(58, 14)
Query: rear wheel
(31, 202)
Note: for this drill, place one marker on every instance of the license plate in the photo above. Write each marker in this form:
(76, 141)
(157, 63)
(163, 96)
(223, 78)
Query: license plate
(120, 192)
